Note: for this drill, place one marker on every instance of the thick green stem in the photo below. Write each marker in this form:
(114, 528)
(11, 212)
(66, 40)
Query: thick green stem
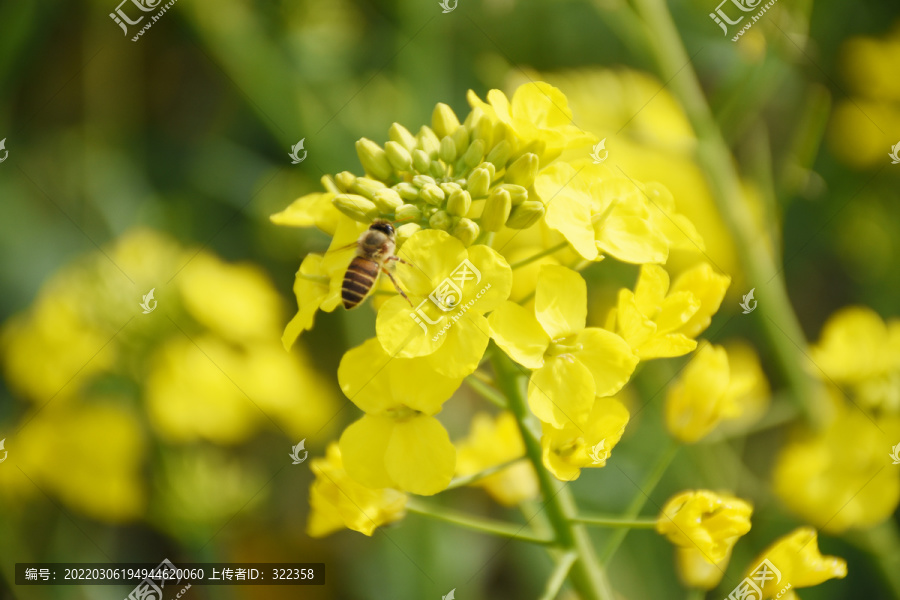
(558, 577)
(586, 575)
(538, 256)
(509, 530)
(778, 319)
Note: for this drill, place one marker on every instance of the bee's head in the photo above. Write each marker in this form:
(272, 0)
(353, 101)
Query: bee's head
(383, 226)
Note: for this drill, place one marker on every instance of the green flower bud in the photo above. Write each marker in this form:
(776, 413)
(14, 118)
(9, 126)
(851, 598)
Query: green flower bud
(356, 207)
(437, 169)
(329, 184)
(496, 210)
(408, 212)
(466, 231)
(373, 158)
(523, 170)
(428, 141)
(525, 215)
(474, 154)
(427, 211)
(400, 134)
(387, 200)
(432, 194)
(482, 128)
(366, 186)
(499, 154)
(406, 231)
(345, 181)
(479, 183)
(517, 193)
(449, 187)
(459, 203)
(443, 120)
(461, 140)
(421, 181)
(398, 156)
(420, 159)
(407, 190)
(447, 153)
(440, 220)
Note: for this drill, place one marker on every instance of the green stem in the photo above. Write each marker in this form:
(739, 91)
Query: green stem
(695, 594)
(882, 543)
(778, 319)
(538, 256)
(604, 521)
(469, 479)
(490, 526)
(558, 577)
(587, 577)
(637, 504)
(486, 390)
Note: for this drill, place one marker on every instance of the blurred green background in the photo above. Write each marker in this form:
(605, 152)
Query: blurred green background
(186, 132)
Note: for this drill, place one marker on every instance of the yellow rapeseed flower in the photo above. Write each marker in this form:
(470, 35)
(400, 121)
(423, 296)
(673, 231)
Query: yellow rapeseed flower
(337, 501)
(568, 450)
(491, 442)
(841, 477)
(861, 353)
(705, 521)
(662, 321)
(798, 560)
(571, 364)
(450, 287)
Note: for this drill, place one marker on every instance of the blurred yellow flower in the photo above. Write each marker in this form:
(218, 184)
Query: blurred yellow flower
(568, 450)
(704, 395)
(705, 521)
(492, 442)
(337, 501)
(797, 557)
(662, 321)
(861, 352)
(571, 363)
(841, 477)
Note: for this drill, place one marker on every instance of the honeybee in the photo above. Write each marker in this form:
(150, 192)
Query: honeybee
(374, 248)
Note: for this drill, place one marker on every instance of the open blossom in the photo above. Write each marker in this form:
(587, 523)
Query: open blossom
(337, 501)
(568, 450)
(705, 520)
(571, 364)
(662, 321)
(797, 557)
(492, 442)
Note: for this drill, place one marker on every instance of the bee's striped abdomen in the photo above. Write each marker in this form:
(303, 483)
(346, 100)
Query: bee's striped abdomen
(359, 280)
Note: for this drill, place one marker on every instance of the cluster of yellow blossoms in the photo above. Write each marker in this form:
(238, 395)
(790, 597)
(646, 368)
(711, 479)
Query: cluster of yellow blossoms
(98, 374)
(512, 184)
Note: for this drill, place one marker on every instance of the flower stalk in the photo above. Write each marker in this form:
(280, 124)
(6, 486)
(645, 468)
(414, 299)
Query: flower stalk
(586, 574)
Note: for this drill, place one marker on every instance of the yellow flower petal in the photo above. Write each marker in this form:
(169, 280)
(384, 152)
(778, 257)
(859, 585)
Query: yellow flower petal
(420, 457)
(560, 301)
(518, 333)
(363, 445)
(561, 392)
(709, 288)
(311, 210)
(608, 357)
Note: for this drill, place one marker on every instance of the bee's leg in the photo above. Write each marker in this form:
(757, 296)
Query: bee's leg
(398, 259)
(397, 286)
